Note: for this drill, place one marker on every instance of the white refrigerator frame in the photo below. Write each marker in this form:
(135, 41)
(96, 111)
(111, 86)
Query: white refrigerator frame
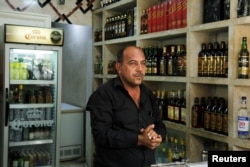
(4, 51)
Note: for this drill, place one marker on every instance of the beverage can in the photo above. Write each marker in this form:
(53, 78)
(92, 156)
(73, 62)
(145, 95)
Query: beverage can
(48, 115)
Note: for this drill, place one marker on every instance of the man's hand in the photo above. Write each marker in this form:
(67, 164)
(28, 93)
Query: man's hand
(149, 138)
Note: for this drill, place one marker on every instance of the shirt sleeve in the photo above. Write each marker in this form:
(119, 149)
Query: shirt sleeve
(104, 134)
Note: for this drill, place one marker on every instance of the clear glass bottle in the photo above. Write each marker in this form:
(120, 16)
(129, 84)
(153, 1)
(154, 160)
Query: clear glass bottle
(243, 119)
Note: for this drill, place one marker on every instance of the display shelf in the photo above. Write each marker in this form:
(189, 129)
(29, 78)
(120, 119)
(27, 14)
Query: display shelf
(28, 143)
(231, 88)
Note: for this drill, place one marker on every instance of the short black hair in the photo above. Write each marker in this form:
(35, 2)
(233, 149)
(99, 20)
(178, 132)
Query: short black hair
(121, 52)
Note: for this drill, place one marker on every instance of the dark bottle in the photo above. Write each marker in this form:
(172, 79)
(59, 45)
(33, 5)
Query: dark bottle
(162, 105)
(177, 107)
(212, 123)
(225, 121)
(210, 60)
(163, 62)
(130, 25)
(170, 61)
(148, 60)
(207, 113)
(175, 60)
(106, 29)
(154, 63)
(157, 96)
(217, 64)
(195, 112)
(124, 25)
(181, 65)
(243, 60)
(170, 106)
(183, 109)
(202, 61)
(224, 57)
(201, 112)
(219, 115)
(144, 22)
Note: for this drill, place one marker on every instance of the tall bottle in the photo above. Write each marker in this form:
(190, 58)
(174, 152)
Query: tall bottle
(224, 56)
(243, 60)
(207, 113)
(243, 119)
(148, 60)
(182, 61)
(144, 22)
(171, 61)
(210, 60)
(195, 111)
(163, 62)
(219, 115)
(212, 123)
(154, 63)
(202, 61)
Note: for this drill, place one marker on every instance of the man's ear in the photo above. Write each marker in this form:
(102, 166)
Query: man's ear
(118, 67)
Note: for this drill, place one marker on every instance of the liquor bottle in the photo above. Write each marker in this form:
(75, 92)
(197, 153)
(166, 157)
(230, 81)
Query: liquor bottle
(148, 60)
(183, 153)
(224, 56)
(163, 62)
(243, 119)
(201, 112)
(195, 111)
(144, 22)
(170, 106)
(170, 61)
(202, 61)
(21, 94)
(181, 66)
(207, 113)
(243, 60)
(217, 61)
(176, 155)
(212, 123)
(130, 26)
(162, 105)
(175, 60)
(183, 109)
(154, 62)
(210, 60)
(225, 121)
(106, 29)
(219, 115)
(177, 108)
(171, 149)
(16, 95)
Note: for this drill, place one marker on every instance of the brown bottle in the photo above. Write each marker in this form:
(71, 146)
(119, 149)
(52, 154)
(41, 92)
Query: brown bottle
(243, 60)
(224, 56)
(144, 22)
(210, 60)
(207, 113)
(202, 61)
(212, 123)
(163, 62)
(195, 112)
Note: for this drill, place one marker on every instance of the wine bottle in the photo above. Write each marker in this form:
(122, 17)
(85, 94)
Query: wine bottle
(243, 60)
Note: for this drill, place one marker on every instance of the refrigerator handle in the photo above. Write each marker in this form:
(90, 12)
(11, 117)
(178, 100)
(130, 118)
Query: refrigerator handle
(7, 107)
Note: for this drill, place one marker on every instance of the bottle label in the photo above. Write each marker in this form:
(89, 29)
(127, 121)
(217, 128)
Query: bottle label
(243, 125)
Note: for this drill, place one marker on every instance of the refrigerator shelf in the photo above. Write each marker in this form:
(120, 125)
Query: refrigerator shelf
(17, 106)
(33, 82)
(26, 143)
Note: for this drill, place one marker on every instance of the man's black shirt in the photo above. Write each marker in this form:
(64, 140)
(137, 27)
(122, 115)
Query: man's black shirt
(116, 122)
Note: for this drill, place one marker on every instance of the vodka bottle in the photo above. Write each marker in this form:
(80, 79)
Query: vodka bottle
(243, 119)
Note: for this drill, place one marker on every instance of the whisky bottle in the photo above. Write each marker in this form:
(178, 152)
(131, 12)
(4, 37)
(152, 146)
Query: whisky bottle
(181, 65)
(225, 121)
(219, 115)
(170, 61)
(212, 123)
(224, 56)
(195, 110)
(207, 113)
(202, 61)
(163, 62)
(144, 20)
(149, 60)
(154, 63)
(210, 60)
(217, 61)
(243, 60)
(183, 109)
(243, 119)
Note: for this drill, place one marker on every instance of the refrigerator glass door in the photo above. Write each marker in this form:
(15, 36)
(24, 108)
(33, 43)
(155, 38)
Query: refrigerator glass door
(33, 90)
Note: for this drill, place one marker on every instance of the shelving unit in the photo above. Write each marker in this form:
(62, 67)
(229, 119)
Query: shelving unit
(231, 88)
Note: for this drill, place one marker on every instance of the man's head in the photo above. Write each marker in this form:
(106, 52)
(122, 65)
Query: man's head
(131, 66)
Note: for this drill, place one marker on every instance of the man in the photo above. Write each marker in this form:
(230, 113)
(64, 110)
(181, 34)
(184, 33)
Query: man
(125, 123)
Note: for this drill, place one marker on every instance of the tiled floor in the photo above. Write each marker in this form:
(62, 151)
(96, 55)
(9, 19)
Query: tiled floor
(73, 163)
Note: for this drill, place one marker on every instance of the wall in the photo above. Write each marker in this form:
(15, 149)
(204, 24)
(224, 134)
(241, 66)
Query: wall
(72, 12)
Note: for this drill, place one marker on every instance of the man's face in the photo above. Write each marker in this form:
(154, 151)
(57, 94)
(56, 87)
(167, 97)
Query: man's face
(133, 67)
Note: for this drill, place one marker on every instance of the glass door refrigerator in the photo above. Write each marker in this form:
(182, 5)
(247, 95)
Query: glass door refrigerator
(30, 89)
